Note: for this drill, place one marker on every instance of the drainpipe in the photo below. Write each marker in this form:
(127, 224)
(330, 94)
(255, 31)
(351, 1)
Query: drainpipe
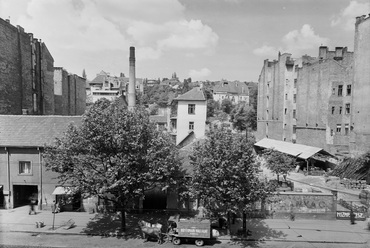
(8, 163)
(40, 165)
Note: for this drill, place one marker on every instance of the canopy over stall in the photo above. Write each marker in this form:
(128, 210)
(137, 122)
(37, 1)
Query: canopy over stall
(296, 150)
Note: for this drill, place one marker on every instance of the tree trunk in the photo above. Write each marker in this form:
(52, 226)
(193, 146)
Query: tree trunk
(228, 223)
(123, 216)
(244, 222)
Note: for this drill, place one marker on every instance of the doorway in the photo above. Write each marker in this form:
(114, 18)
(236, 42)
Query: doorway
(22, 193)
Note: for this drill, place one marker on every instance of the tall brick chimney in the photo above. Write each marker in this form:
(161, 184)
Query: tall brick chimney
(131, 85)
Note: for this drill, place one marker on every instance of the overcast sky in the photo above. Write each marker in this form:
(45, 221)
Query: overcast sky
(201, 39)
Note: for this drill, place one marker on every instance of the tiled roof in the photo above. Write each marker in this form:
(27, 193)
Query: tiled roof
(31, 130)
(99, 79)
(231, 87)
(196, 94)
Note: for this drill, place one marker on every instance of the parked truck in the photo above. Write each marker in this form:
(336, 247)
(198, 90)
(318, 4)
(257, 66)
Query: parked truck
(197, 229)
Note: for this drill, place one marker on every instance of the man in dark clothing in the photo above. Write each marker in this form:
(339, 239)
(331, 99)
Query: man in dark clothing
(33, 202)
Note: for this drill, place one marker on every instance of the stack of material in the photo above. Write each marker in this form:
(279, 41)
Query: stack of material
(354, 168)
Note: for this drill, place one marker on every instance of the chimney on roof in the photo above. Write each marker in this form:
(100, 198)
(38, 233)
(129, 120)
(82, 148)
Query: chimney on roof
(132, 78)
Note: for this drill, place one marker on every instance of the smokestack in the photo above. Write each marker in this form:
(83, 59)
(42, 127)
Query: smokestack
(131, 85)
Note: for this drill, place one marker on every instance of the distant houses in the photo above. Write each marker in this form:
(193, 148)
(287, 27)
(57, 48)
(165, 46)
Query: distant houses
(110, 87)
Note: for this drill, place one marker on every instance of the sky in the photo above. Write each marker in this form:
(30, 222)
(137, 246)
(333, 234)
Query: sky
(201, 39)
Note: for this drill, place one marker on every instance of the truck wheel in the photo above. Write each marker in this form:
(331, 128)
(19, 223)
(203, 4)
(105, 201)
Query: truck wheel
(176, 241)
(199, 242)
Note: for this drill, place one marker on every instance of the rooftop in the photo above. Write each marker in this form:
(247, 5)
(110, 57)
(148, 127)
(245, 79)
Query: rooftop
(196, 94)
(33, 131)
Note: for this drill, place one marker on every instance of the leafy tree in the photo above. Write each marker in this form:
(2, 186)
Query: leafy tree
(114, 151)
(278, 162)
(243, 117)
(226, 173)
(226, 106)
(212, 105)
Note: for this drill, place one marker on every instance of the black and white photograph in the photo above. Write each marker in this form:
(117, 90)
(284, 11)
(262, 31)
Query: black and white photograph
(185, 123)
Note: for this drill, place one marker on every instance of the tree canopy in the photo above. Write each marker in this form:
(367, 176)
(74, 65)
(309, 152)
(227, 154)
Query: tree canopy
(243, 117)
(278, 162)
(114, 151)
(226, 174)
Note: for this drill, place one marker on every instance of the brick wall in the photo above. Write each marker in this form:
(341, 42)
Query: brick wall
(25, 73)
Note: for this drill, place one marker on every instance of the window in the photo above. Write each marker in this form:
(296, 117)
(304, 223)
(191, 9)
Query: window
(348, 108)
(346, 129)
(294, 114)
(286, 96)
(331, 132)
(191, 125)
(294, 98)
(333, 91)
(285, 111)
(295, 83)
(294, 129)
(340, 90)
(339, 128)
(25, 167)
(348, 90)
(191, 109)
(332, 110)
(340, 110)
(34, 98)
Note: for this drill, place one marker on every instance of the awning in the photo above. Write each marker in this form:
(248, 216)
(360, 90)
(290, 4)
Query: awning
(61, 191)
(296, 150)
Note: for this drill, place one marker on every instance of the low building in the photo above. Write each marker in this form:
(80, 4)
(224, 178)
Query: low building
(22, 170)
(235, 91)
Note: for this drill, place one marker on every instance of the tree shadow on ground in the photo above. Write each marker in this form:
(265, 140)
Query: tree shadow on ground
(259, 233)
(109, 224)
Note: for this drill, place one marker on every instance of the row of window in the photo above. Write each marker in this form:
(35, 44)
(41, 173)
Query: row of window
(339, 129)
(347, 109)
(340, 90)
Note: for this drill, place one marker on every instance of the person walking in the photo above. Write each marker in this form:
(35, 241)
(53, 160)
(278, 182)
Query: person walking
(33, 202)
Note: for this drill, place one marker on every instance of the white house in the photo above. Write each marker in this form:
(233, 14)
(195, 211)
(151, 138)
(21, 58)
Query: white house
(191, 115)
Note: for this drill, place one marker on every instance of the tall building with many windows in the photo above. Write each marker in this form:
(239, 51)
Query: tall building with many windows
(304, 100)
(319, 101)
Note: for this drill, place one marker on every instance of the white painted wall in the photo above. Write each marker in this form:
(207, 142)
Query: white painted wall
(183, 119)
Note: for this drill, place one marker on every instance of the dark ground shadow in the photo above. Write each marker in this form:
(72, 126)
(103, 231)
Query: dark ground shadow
(260, 232)
(108, 225)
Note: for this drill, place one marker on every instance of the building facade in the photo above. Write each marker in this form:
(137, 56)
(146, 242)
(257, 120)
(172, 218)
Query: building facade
(111, 87)
(26, 73)
(360, 135)
(235, 91)
(319, 101)
(27, 77)
(69, 93)
(191, 115)
(22, 170)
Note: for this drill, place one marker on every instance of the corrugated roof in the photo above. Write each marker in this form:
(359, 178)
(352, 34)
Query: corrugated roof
(33, 131)
(195, 94)
(302, 151)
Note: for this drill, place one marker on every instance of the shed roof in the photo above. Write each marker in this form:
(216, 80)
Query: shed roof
(296, 150)
(33, 131)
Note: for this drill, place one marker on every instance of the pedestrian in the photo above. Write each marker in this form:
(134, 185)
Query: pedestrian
(33, 202)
